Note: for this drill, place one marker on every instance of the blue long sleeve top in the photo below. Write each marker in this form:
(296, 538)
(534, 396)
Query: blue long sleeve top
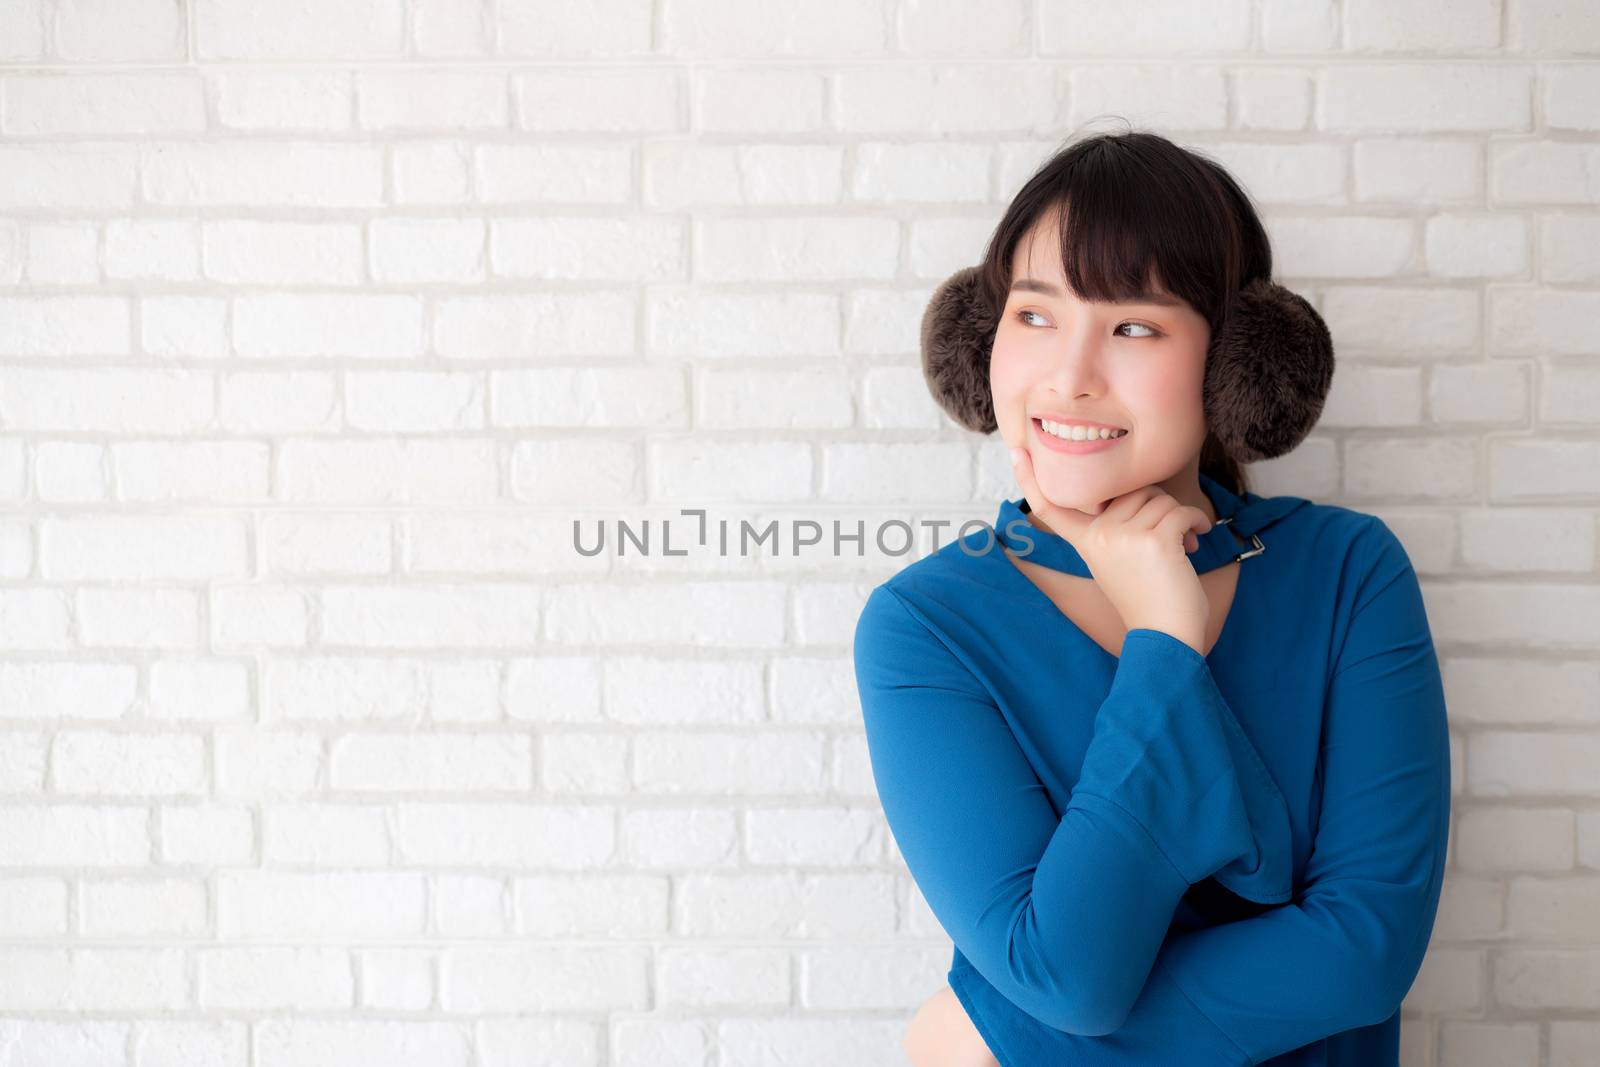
(1167, 857)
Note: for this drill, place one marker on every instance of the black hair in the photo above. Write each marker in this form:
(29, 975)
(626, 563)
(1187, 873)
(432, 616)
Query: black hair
(1137, 213)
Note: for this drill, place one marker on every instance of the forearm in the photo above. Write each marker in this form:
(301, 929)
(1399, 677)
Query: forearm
(1064, 912)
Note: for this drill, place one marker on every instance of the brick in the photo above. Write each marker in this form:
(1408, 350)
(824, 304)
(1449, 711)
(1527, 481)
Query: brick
(428, 250)
(128, 764)
(589, 249)
(446, 99)
(414, 401)
(760, 99)
(344, 29)
(592, 907)
(1422, 26)
(66, 326)
(283, 905)
(1173, 96)
(831, 28)
(813, 398)
(256, 252)
(1438, 97)
(302, 99)
(694, 976)
(278, 401)
(1081, 26)
(694, 472)
(1410, 170)
(143, 907)
(91, 105)
(176, 1043)
(1550, 26)
(369, 325)
(22, 30)
(1491, 392)
(163, 250)
(1505, 763)
(589, 397)
(621, 28)
(449, 29)
(1515, 839)
(941, 172)
(430, 173)
(432, 762)
(1542, 172)
(602, 101)
(554, 173)
(515, 835)
(1570, 92)
(292, 1042)
(271, 978)
(706, 324)
(707, 613)
(680, 174)
(1273, 100)
(1482, 246)
(534, 326)
(933, 99)
(261, 174)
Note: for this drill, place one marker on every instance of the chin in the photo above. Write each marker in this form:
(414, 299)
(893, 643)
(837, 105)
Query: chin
(1084, 494)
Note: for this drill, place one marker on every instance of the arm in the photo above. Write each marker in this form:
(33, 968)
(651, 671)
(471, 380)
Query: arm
(1064, 914)
(1344, 954)
(1346, 951)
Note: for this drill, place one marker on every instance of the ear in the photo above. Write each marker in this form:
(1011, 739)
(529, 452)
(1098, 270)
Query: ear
(1268, 370)
(958, 331)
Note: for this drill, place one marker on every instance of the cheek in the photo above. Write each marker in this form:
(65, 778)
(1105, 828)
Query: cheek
(1173, 395)
(1008, 382)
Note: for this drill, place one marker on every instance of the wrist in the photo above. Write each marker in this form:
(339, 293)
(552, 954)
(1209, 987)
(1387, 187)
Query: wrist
(1184, 634)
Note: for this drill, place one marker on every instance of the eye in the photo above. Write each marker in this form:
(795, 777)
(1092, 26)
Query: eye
(1151, 331)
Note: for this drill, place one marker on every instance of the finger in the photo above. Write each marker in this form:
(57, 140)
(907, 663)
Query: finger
(1131, 507)
(1182, 523)
(1161, 506)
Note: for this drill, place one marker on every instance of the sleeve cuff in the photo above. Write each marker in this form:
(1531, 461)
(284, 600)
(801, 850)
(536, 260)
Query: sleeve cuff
(1169, 751)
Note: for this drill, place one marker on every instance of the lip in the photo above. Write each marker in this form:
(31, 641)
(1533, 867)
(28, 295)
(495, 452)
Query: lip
(1056, 444)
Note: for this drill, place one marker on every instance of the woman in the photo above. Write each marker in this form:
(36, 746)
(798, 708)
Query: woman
(1168, 759)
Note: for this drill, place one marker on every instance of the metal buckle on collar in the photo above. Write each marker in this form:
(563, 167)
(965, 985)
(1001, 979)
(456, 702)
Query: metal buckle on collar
(1254, 540)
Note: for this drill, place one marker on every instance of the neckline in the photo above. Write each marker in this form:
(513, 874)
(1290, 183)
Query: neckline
(1218, 546)
(1052, 550)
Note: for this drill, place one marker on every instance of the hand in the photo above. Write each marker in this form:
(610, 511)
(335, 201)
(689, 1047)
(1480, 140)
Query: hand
(1136, 550)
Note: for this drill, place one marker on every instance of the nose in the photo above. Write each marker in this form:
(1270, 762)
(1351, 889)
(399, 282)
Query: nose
(1078, 366)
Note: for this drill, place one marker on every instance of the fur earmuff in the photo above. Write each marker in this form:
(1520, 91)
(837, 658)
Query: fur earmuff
(1268, 368)
(958, 331)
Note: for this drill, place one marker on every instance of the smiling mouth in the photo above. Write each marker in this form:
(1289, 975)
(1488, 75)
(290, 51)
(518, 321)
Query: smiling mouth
(1097, 434)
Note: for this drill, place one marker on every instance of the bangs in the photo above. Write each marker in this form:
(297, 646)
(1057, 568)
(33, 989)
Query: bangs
(1126, 230)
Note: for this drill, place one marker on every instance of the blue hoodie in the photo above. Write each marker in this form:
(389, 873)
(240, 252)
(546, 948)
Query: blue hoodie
(1164, 857)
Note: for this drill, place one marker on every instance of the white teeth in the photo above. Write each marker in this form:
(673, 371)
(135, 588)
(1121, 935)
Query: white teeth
(1079, 433)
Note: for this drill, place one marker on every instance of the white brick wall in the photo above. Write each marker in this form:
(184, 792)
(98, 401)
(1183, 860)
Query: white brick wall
(320, 323)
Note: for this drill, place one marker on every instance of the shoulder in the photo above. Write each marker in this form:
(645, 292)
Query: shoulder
(900, 612)
(1343, 539)
(1355, 550)
(960, 567)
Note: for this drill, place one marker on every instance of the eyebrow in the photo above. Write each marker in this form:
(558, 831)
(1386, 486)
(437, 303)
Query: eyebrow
(1034, 285)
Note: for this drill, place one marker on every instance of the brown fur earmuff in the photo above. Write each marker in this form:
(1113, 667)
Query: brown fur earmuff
(1268, 369)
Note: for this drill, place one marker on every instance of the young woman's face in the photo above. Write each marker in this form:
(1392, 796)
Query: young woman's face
(1139, 366)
